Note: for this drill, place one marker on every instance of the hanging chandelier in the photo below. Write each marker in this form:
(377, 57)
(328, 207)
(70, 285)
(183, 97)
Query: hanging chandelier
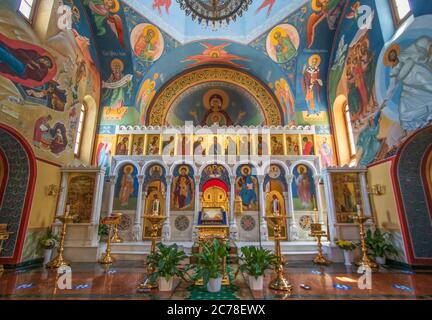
(214, 11)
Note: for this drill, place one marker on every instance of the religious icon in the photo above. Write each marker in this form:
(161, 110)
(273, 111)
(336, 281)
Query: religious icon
(184, 145)
(126, 185)
(326, 152)
(274, 172)
(216, 101)
(244, 145)
(230, 146)
(103, 152)
(323, 9)
(285, 96)
(117, 86)
(303, 186)
(155, 206)
(215, 147)
(25, 63)
(155, 171)
(105, 11)
(282, 43)
(49, 138)
(276, 206)
(347, 194)
(145, 96)
(183, 189)
(276, 145)
(51, 92)
(262, 145)
(312, 83)
(153, 145)
(247, 186)
(292, 145)
(307, 146)
(122, 148)
(80, 195)
(147, 42)
(168, 146)
(199, 148)
(138, 145)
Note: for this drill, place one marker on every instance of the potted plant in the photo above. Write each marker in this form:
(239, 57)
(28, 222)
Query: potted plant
(347, 247)
(48, 243)
(379, 245)
(255, 261)
(208, 265)
(166, 261)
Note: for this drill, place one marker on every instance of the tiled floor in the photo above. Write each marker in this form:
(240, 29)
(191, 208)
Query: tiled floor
(120, 281)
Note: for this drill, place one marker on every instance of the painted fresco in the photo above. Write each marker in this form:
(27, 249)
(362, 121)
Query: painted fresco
(325, 150)
(147, 42)
(303, 189)
(247, 187)
(212, 103)
(183, 189)
(126, 188)
(44, 82)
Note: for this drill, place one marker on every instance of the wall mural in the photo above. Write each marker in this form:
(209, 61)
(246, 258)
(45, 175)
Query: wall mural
(282, 43)
(183, 189)
(43, 83)
(126, 189)
(303, 189)
(147, 42)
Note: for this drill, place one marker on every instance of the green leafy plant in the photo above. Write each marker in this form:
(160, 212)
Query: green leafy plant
(255, 261)
(103, 230)
(346, 245)
(379, 245)
(49, 240)
(209, 261)
(167, 262)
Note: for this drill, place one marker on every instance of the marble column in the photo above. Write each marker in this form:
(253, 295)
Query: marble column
(332, 219)
(365, 196)
(263, 222)
(198, 196)
(166, 229)
(233, 223)
(137, 230)
(113, 180)
(292, 226)
(318, 199)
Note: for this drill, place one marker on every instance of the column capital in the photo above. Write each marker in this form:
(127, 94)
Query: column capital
(141, 179)
(112, 179)
(261, 179)
(197, 179)
(169, 179)
(289, 178)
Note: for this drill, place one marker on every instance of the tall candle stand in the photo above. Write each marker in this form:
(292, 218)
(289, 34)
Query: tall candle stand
(281, 282)
(60, 260)
(112, 222)
(156, 222)
(360, 219)
(317, 232)
(116, 237)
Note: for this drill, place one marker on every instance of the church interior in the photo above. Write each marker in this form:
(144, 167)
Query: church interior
(223, 149)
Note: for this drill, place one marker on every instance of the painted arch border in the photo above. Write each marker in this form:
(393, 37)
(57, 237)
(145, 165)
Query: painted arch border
(161, 104)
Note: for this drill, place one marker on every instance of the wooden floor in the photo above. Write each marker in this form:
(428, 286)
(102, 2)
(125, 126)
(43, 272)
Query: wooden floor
(120, 281)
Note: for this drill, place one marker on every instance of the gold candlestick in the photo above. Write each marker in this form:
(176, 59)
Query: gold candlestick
(155, 222)
(364, 261)
(116, 237)
(316, 231)
(280, 283)
(60, 260)
(111, 221)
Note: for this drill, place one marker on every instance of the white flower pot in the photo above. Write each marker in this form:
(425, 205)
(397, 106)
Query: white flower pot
(47, 255)
(256, 284)
(348, 257)
(380, 260)
(165, 285)
(214, 285)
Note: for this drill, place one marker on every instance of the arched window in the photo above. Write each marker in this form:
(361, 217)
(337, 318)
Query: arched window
(79, 133)
(401, 11)
(27, 8)
(349, 131)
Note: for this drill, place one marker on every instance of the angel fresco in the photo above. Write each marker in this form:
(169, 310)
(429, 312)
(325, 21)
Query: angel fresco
(25, 63)
(117, 86)
(286, 98)
(247, 186)
(104, 11)
(145, 96)
(266, 3)
(312, 83)
(157, 4)
(323, 9)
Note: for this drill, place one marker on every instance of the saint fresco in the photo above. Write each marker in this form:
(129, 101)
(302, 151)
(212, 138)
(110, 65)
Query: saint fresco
(147, 42)
(303, 188)
(282, 43)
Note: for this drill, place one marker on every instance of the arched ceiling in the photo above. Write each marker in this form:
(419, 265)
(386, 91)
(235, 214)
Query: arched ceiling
(243, 30)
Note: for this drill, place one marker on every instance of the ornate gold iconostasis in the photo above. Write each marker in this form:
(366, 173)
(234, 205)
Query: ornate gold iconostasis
(80, 195)
(215, 197)
(269, 212)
